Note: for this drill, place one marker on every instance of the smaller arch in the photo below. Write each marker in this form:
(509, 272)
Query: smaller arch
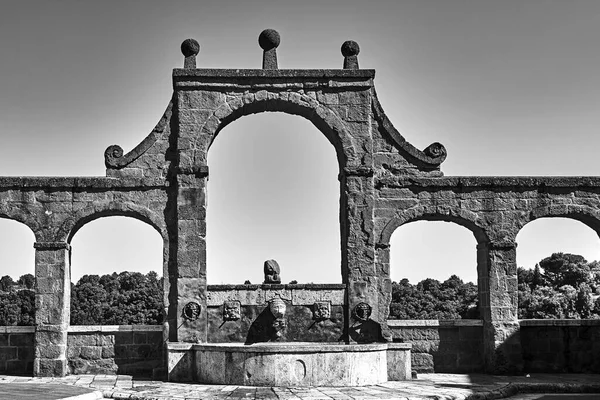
(582, 213)
(25, 217)
(463, 218)
(126, 209)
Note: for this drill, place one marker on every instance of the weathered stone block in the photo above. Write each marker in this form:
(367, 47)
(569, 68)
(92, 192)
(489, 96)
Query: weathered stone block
(49, 367)
(20, 340)
(8, 353)
(90, 352)
(422, 362)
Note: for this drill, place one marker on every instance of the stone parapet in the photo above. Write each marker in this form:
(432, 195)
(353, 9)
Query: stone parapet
(446, 346)
(16, 349)
(119, 349)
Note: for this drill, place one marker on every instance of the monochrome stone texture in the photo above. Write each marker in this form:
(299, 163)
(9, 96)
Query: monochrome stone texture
(385, 182)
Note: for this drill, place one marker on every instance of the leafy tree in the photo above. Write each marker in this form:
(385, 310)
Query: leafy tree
(430, 299)
(560, 286)
(27, 280)
(7, 284)
(117, 299)
(566, 269)
(584, 304)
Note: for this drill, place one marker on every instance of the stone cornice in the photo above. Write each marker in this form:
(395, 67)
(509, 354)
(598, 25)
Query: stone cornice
(279, 79)
(271, 74)
(51, 246)
(75, 183)
(495, 182)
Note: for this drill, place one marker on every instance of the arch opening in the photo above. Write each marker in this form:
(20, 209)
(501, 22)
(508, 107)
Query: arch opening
(17, 274)
(116, 273)
(327, 123)
(273, 193)
(558, 270)
(433, 268)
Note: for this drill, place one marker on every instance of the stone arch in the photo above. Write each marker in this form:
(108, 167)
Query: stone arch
(463, 218)
(587, 215)
(322, 117)
(266, 199)
(127, 209)
(18, 217)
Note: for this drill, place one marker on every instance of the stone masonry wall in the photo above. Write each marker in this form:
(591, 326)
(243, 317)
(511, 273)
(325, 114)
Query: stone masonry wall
(300, 300)
(454, 346)
(16, 349)
(126, 349)
(561, 345)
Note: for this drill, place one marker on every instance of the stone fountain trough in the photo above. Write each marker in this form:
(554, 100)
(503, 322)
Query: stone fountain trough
(286, 335)
(289, 363)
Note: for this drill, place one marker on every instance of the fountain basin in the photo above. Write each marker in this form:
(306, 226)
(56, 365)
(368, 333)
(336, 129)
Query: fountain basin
(289, 363)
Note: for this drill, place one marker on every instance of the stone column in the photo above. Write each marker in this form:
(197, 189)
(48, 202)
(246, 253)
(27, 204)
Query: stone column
(498, 304)
(52, 303)
(365, 283)
(191, 256)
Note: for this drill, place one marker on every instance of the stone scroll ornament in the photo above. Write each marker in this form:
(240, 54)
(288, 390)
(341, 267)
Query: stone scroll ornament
(231, 311)
(191, 311)
(272, 271)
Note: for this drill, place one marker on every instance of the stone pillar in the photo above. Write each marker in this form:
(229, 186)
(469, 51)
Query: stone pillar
(498, 304)
(52, 303)
(365, 283)
(191, 256)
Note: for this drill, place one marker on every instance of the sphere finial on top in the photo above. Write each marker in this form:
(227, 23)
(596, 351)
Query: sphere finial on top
(350, 48)
(190, 47)
(269, 39)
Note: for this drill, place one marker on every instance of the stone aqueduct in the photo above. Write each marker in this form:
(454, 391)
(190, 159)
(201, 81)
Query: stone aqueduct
(384, 182)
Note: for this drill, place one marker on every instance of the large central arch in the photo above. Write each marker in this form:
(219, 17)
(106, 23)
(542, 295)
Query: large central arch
(287, 210)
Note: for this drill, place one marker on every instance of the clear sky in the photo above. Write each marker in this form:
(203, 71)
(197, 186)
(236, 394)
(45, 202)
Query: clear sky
(509, 87)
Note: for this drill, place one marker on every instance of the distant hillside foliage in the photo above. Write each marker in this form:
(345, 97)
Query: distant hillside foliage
(432, 299)
(562, 286)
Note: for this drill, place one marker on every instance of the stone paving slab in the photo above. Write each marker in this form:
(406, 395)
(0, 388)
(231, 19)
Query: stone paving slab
(427, 386)
(47, 391)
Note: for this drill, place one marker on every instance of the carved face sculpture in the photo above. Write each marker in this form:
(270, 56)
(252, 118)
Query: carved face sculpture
(279, 326)
(231, 311)
(272, 270)
(277, 308)
(321, 311)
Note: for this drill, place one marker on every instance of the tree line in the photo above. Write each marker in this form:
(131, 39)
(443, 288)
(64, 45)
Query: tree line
(126, 298)
(562, 286)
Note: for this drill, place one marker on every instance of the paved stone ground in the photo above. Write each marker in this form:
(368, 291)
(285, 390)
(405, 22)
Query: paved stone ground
(427, 386)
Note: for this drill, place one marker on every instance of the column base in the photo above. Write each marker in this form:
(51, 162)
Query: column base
(47, 367)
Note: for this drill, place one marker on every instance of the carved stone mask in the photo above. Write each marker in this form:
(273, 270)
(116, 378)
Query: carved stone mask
(321, 311)
(231, 311)
(279, 326)
(277, 308)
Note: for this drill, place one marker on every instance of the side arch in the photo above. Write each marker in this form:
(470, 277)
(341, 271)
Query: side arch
(21, 218)
(463, 218)
(582, 213)
(126, 209)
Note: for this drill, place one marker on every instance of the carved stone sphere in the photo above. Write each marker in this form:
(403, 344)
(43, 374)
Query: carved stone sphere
(190, 47)
(350, 48)
(269, 39)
